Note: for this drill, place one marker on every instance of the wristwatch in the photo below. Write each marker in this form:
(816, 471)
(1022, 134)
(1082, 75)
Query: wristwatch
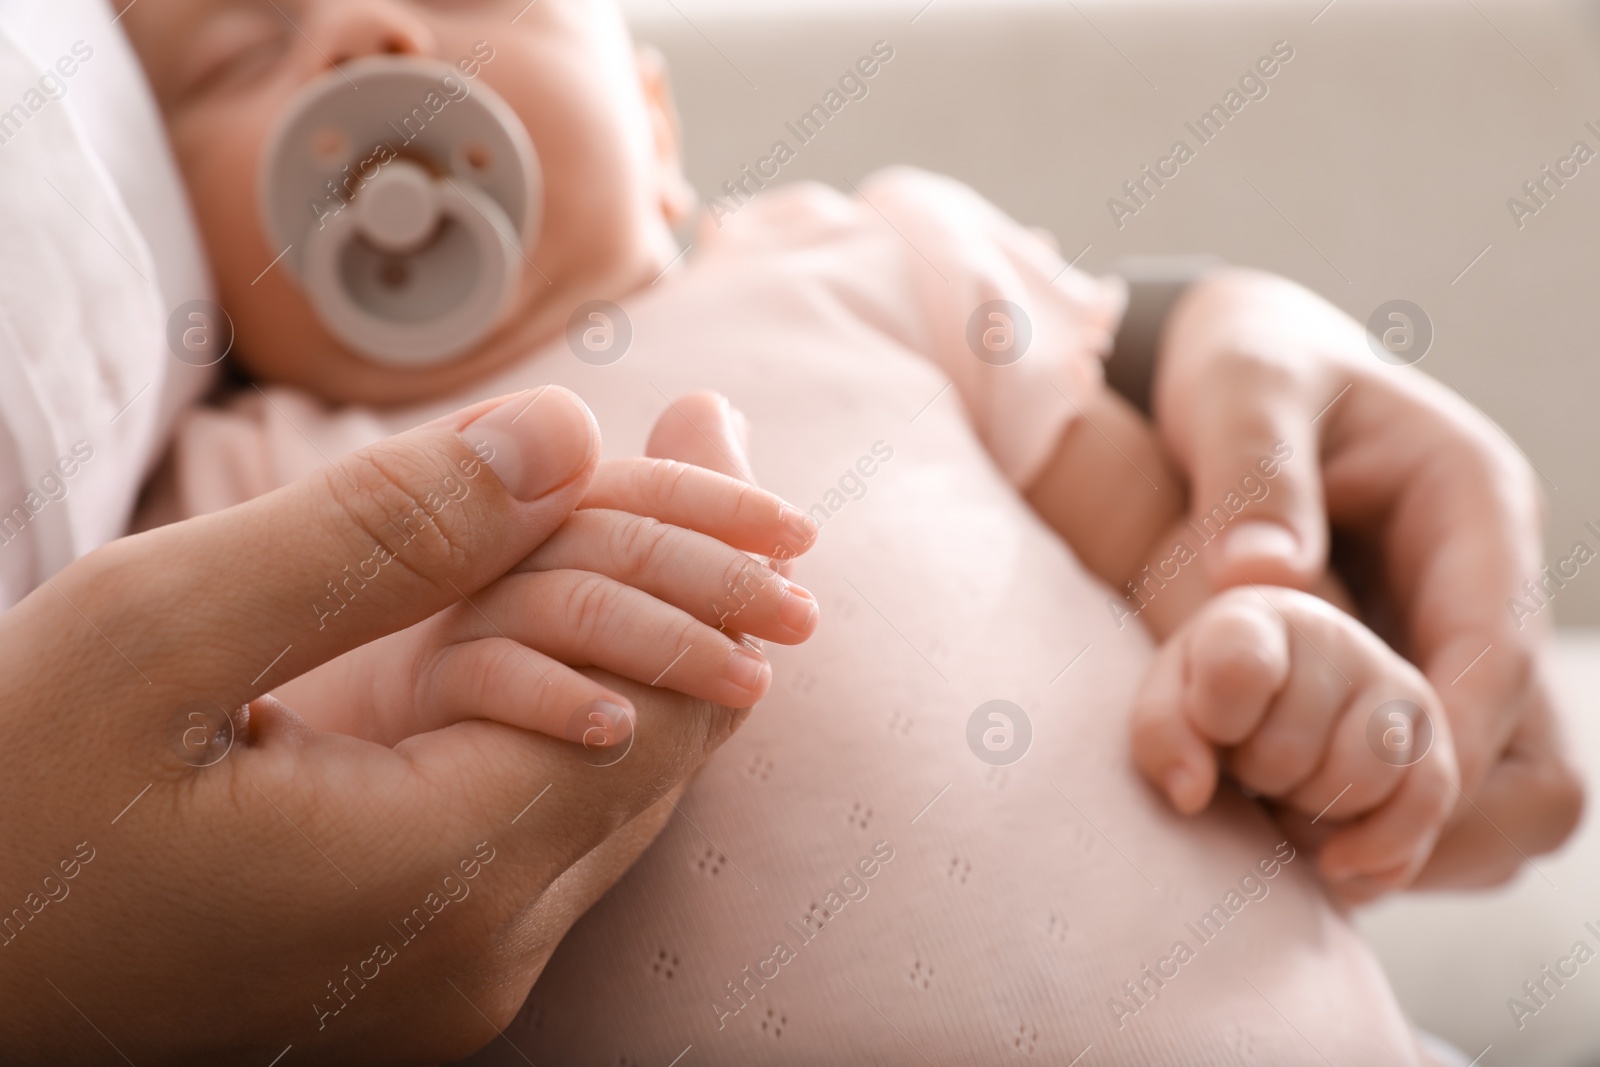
(1154, 285)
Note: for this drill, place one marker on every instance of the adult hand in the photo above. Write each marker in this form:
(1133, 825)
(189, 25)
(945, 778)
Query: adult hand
(701, 429)
(356, 901)
(1443, 514)
(651, 579)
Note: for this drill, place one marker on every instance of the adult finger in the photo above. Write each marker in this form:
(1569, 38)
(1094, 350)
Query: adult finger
(1458, 516)
(262, 592)
(1528, 802)
(536, 804)
(1241, 415)
(503, 773)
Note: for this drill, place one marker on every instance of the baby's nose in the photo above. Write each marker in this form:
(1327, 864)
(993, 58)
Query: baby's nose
(343, 30)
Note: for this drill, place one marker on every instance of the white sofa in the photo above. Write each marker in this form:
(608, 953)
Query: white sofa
(1377, 165)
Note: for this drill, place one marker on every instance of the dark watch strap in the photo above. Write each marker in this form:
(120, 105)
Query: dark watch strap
(1154, 285)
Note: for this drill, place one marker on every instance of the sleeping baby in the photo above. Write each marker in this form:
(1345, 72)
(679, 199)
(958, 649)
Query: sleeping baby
(411, 206)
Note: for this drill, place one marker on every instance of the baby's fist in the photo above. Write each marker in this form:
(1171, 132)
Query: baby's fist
(1298, 702)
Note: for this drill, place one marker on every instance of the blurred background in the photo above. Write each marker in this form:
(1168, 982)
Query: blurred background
(1378, 165)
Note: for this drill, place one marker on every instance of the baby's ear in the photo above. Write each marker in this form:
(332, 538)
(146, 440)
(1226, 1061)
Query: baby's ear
(677, 195)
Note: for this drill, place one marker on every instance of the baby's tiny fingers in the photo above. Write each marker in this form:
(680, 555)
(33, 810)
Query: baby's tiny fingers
(734, 512)
(1237, 662)
(719, 585)
(1166, 747)
(584, 619)
(1393, 843)
(497, 679)
(705, 429)
(1354, 776)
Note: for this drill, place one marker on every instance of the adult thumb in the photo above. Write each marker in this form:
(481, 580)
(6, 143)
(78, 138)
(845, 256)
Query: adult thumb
(1239, 401)
(1251, 452)
(226, 606)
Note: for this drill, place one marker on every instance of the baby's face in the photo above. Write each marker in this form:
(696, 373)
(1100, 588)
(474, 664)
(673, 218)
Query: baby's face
(224, 71)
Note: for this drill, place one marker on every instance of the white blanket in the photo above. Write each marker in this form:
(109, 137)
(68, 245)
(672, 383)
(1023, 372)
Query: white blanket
(98, 249)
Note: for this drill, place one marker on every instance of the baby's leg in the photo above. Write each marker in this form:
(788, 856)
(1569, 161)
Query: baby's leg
(1303, 704)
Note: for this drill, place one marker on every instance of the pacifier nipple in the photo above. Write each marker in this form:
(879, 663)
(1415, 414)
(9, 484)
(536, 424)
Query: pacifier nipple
(407, 201)
(399, 210)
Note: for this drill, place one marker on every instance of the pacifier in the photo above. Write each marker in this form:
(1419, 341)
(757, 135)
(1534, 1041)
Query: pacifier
(408, 199)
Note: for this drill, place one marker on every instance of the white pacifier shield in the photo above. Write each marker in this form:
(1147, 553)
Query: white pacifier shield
(406, 196)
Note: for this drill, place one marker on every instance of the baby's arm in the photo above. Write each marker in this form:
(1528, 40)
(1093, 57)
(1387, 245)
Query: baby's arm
(1111, 494)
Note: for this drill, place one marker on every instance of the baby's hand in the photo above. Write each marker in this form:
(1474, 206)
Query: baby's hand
(1304, 705)
(642, 582)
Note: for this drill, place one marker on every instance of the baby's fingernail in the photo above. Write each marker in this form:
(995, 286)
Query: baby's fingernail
(1182, 788)
(798, 609)
(604, 723)
(1260, 540)
(801, 527)
(748, 670)
(534, 441)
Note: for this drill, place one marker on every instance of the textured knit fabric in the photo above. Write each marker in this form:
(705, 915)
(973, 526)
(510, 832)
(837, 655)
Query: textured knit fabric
(848, 882)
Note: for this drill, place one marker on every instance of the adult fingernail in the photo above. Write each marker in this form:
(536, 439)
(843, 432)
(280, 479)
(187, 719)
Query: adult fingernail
(1251, 541)
(535, 441)
(748, 670)
(798, 609)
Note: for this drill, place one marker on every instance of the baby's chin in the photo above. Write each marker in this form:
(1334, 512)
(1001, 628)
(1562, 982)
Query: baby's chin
(301, 354)
(305, 357)
(340, 376)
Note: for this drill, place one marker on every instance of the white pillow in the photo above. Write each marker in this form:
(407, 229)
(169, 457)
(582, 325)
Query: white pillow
(100, 248)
